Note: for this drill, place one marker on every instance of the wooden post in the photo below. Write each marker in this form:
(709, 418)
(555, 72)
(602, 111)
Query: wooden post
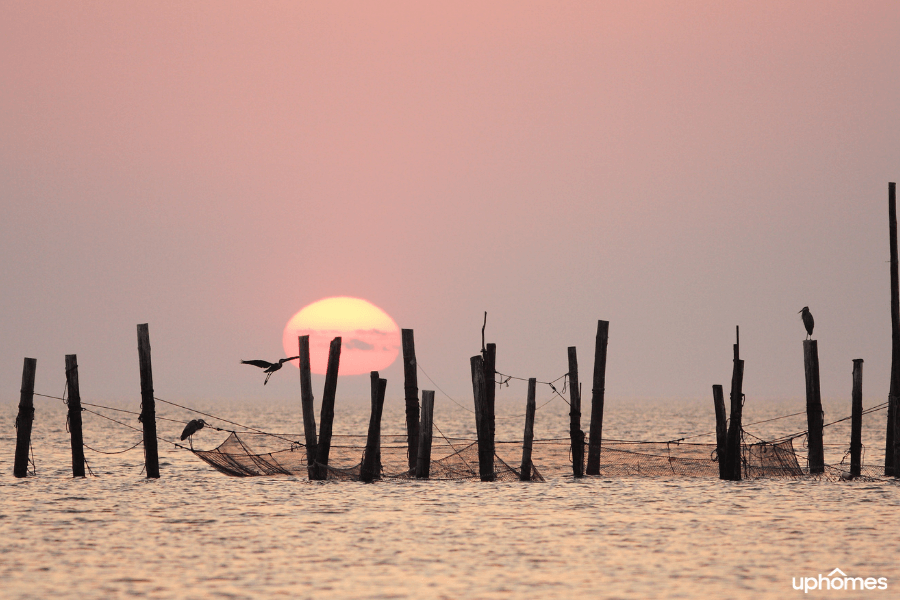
(25, 418)
(307, 404)
(411, 394)
(597, 398)
(733, 447)
(371, 462)
(148, 403)
(74, 415)
(575, 432)
(490, 390)
(485, 458)
(814, 415)
(423, 465)
(528, 438)
(323, 448)
(892, 436)
(856, 420)
(721, 429)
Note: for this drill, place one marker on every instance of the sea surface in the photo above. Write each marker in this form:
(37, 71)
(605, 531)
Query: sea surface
(196, 533)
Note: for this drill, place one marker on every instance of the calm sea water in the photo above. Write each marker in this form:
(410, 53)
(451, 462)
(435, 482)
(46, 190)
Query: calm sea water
(196, 533)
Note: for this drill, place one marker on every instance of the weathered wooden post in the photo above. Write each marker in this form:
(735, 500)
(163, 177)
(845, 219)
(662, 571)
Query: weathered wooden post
(148, 403)
(733, 447)
(595, 438)
(856, 420)
(25, 418)
(528, 438)
(814, 414)
(307, 404)
(371, 463)
(490, 390)
(323, 448)
(892, 435)
(575, 432)
(721, 429)
(411, 394)
(423, 458)
(74, 415)
(485, 458)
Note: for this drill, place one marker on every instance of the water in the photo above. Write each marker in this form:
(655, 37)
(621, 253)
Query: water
(196, 533)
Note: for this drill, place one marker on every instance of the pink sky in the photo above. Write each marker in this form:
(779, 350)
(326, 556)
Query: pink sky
(674, 168)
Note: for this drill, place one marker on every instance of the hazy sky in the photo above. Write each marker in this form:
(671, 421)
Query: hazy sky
(674, 168)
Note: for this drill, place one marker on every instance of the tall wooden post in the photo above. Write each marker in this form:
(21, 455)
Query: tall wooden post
(323, 448)
(856, 412)
(411, 394)
(490, 391)
(597, 398)
(733, 447)
(892, 436)
(74, 415)
(423, 466)
(575, 432)
(148, 403)
(485, 456)
(528, 438)
(814, 414)
(721, 429)
(307, 404)
(25, 418)
(371, 462)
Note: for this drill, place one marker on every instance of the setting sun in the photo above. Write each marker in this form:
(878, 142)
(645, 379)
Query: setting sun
(371, 338)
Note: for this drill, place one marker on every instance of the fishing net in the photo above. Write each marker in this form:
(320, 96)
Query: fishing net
(459, 458)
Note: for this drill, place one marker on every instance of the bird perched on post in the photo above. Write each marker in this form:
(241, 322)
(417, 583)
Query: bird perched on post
(269, 367)
(192, 427)
(807, 321)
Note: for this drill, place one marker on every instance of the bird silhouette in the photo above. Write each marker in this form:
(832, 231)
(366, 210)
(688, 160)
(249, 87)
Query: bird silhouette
(807, 321)
(269, 367)
(192, 427)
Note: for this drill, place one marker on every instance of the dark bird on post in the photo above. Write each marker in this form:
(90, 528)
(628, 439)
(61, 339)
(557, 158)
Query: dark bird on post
(269, 367)
(192, 427)
(807, 321)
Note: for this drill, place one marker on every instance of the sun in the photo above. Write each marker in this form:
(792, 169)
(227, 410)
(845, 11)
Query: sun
(370, 337)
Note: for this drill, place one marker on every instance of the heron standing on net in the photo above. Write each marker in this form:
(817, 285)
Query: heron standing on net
(807, 321)
(192, 427)
(269, 367)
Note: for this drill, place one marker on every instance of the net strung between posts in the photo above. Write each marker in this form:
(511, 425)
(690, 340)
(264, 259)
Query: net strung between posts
(459, 458)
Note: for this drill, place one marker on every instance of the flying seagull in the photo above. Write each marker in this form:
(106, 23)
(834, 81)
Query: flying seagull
(269, 367)
(192, 427)
(807, 321)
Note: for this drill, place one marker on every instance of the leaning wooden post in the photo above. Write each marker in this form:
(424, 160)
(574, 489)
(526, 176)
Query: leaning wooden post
(371, 463)
(490, 391)
(528, 438)
(733, 447)
(411, 394)
(323, 448)
(307, 404)
(74, 415)
(721, 429)
(423, 458)
(575, 432)
(148, 403)
(892, 435)
(856, 420)
(814, 415)
(597, 398)
(25, 418)
(485, 457)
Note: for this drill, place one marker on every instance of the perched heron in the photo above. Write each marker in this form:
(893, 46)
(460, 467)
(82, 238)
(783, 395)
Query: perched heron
(192, 427)
(807, 321)
(269, 367)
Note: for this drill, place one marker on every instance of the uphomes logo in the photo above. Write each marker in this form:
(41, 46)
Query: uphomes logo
(838, 580)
